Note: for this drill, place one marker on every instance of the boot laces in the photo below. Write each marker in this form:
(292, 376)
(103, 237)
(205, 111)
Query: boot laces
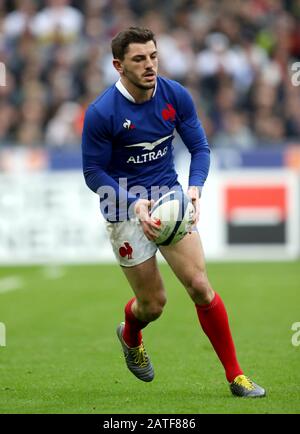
(242, 380)
(139, 356)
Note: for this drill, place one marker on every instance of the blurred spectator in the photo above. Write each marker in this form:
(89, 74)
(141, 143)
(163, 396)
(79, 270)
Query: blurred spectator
(62, 129)
(176, 46)
(29, 134)
(19, 21)
(219, 58)
(58, 22)
(7, 121)
(235, 132)
(270, 129)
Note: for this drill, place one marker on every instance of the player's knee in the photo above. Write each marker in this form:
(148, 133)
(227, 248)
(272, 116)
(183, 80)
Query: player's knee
(199, 288)
(154, 308)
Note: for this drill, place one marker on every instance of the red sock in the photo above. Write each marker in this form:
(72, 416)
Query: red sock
(132, 334)
(214, 321)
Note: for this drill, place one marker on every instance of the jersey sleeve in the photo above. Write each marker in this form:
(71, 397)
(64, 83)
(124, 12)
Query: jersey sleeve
(193, 135)
(96, 156)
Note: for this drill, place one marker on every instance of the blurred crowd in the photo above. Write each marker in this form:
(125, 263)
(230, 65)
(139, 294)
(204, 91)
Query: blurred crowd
(235, 57)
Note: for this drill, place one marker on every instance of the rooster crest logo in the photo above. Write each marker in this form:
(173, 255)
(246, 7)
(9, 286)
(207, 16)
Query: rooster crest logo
(126, 250)
(128, 125)
(169, 113)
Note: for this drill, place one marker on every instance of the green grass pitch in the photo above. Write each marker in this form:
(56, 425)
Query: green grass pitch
(62, 354)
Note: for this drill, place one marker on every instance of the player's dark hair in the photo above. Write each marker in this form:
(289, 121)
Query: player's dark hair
(121, 41)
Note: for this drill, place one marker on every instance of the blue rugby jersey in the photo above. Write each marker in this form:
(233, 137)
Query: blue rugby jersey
(133, 142)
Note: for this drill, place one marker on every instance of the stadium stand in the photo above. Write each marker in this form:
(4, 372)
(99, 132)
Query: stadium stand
(235, 57)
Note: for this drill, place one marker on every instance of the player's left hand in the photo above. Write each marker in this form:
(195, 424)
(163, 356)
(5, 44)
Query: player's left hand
(194, 194)
(141, 209)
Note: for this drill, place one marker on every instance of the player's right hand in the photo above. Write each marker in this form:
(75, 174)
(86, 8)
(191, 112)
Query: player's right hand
(141, 209)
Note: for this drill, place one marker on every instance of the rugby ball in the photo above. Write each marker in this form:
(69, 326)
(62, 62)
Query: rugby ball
(175, 212)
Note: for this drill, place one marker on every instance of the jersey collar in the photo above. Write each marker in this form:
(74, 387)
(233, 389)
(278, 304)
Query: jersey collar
(121, 88)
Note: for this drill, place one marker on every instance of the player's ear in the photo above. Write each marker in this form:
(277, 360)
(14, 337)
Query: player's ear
(118, 65)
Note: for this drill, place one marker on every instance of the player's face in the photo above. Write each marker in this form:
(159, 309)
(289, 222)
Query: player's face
(139, 65)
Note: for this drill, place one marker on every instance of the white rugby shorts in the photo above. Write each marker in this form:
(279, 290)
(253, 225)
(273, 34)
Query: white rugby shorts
(130, 245)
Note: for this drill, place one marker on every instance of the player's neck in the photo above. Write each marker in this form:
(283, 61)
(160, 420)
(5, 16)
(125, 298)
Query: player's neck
(139, 95)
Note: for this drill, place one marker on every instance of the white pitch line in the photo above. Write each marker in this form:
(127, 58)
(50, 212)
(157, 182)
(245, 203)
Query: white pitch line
(53, 272)
(10, 283)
